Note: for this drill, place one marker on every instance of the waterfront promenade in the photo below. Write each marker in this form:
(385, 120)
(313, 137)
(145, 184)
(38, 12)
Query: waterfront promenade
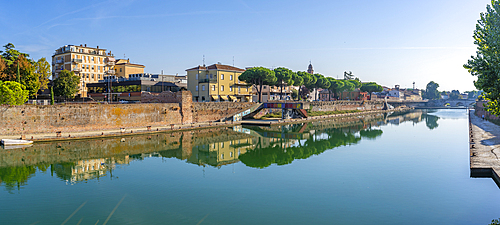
(484, 148)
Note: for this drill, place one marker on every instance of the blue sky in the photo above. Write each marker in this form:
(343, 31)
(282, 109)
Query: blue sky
(387, 41)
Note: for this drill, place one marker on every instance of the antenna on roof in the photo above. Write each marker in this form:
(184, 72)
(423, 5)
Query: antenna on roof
(203, 60)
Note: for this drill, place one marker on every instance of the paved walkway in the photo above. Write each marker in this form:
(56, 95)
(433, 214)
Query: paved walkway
(484, 148)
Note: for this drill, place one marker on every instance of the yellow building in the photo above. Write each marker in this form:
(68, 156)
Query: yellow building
(124, 68)
(218, 83)
(90, 64)
(221, 153)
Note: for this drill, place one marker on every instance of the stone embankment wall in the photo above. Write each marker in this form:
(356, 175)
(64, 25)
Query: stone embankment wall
(212, 111)
(160, 109)
(344, 105)
(28, 119)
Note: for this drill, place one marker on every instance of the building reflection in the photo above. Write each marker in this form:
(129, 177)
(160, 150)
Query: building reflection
(258, 147)
(84, 170)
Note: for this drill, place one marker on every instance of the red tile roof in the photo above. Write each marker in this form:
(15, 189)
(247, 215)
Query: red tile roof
(218, 67)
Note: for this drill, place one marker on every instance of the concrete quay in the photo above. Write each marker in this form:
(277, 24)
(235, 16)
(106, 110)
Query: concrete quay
(128, 131)
(484, 138)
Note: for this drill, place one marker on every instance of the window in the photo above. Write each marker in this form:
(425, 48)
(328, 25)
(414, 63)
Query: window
(196, 76)
(213, 87)
(99, 68)
(221, 156)
(120, 70)
(196, 87)
(222, 144)
(230, 88)
(239, 89)
(99, 76)
(230, 77)
(87, 75)
(222, 88)
(222, 76)
(92, 59)
(230, 154)
(92, 76)
(202, 87)
(247, 89)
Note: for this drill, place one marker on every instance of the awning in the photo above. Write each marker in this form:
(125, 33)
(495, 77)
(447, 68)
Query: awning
(223, 97)
(215, 97)
(232, 98)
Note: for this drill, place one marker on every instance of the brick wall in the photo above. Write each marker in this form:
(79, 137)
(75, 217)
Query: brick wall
(211, 111)
(27, 119)
(481, 110)
(345, 105)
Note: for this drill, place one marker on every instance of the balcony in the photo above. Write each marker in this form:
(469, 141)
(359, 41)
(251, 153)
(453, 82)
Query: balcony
(110, 63)
(77, 70)
(110, 72)
(77, 60)
(213, 80)
(59, 61)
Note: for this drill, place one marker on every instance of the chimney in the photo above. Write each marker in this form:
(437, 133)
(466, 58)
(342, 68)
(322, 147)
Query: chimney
(85, 45)
(80, 45)
(98, 47)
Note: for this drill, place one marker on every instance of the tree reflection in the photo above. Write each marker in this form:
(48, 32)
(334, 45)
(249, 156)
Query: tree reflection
(262, 157)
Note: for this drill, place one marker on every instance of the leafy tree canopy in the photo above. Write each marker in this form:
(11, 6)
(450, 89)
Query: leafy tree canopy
(258, 76)
(12, 93)
(371, 87)
(486, 63)
(10, 54)
(431, 91)
(66, 84)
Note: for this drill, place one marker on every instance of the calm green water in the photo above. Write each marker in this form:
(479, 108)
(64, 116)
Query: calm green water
(406, 168)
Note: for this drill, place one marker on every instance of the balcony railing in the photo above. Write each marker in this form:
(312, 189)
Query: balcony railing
(77, 60)
(110, 63)
(77, 70)
(110, 72)
(213, 80)
(59, 61)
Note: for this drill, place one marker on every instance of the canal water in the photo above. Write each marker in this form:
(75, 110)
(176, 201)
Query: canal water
(399, 168)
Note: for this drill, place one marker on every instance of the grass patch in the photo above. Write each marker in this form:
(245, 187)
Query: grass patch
(272, 115)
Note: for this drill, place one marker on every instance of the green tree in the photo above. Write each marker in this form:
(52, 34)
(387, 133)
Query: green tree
(321, 82)
(431, 91)
(66, 84)
(12, 93)
(486, 63)
(309, 82)
(297, 81)
(26, 75)
(258, 76)
(348, 75)
(335, 86)
(10, 54)
(371, 87)
(348, 87)
(357, 84)
(455, 94)
(495, 222)
(51, 95)
(42, 70)
(295, 94)
(284, 77)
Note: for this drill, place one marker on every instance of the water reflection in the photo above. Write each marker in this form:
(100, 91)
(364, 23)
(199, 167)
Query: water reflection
(257, 147)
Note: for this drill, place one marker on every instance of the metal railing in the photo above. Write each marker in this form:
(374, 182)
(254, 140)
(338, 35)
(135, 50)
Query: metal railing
(77, 60)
